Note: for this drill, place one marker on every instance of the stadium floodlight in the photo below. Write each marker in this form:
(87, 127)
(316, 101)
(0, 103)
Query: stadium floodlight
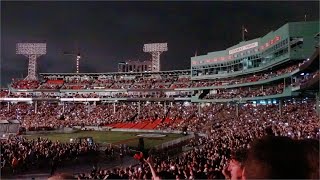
(155, 49)
(32, 51)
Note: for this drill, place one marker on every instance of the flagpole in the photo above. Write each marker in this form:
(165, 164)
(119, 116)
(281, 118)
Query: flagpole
(242, 33)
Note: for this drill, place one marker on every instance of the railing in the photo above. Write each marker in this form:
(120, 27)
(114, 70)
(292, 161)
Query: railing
(174, 142)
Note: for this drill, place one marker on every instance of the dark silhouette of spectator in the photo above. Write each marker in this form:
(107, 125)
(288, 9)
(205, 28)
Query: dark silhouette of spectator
(281, 158)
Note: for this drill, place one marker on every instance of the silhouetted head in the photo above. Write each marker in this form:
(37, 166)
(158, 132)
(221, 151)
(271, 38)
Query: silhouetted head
(61, 176)
(274, 157)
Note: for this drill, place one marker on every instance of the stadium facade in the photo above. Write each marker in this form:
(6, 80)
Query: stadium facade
(292, 41)
(284, 57)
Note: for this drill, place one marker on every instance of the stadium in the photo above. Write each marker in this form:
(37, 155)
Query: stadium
(192, 123)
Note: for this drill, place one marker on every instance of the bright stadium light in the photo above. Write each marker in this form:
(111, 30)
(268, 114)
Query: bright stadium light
(32, 51)
(155, 49)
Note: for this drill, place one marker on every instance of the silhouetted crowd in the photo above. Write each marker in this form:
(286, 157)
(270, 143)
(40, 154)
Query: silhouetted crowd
(259, 135)
(19, 154)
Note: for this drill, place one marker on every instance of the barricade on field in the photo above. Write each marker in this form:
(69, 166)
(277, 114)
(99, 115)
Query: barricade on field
(100, 128)
(175, 141)
(60, 130)
(9, 127)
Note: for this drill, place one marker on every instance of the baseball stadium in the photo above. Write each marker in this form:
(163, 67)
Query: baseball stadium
(255, 104)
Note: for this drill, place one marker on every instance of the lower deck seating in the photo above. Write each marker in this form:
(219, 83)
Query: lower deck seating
(141, 125)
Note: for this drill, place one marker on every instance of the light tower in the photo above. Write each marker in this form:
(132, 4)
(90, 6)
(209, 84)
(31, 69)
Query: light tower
(32, 51)
(155, 49)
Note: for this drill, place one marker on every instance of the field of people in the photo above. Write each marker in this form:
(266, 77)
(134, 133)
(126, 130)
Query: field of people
(107, 137)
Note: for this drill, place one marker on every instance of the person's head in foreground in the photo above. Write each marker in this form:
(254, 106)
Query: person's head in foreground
(235, 168)
(282, 158)
(61, 176)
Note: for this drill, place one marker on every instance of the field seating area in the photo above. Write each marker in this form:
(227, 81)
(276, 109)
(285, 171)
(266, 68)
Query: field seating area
(148, 125)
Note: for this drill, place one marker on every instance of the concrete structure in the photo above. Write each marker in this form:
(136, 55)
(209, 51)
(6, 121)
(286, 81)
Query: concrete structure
(134, 66)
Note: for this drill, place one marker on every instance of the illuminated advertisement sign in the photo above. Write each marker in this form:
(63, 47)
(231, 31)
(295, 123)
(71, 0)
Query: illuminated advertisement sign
(243, 48)
(232, 52)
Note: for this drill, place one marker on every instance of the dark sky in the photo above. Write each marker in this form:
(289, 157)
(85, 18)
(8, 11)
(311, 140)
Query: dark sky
(109, 32)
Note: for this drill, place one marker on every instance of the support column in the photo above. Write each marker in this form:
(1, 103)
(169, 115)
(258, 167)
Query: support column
(114, 108)
(164, 107)
(63, 107)
(318, 103)
(36, 107)
(139, 107)
(280, 107)
(199, 108)
(8, 106)
(171, 104)
(237, 109)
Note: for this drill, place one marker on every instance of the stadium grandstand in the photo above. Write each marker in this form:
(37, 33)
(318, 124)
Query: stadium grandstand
(268, 85)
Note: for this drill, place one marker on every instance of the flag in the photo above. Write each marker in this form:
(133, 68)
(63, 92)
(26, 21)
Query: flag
(138, 156)
(244, 30)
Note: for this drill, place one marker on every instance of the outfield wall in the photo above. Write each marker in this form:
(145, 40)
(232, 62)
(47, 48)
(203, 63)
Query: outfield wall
(96, 128)
(62, 130)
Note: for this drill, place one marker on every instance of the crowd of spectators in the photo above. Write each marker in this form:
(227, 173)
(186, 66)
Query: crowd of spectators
(19, 154)
(51, 84)
(244, 92)
(25, 84)
(144, 82)
(132, 94)
(304, 78)
(229, 128)
(181, 115)
(244, 79)
(4, 93)
(229, 136)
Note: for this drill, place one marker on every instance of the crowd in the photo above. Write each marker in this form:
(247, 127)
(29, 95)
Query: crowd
(229, 128)
(229, 136)
(20, 154)
(4, 93)
(55, 115)
(145, 81)
(25, 84)
(129, 95)
(181, 115)
(244, 92)
(305, 78)
(246, 78)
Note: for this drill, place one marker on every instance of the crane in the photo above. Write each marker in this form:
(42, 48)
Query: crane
(77, 55)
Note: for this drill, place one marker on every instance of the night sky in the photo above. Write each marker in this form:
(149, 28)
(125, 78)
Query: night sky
(110, 32)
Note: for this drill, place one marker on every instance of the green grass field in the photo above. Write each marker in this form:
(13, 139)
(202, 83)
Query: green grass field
(106, 137)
